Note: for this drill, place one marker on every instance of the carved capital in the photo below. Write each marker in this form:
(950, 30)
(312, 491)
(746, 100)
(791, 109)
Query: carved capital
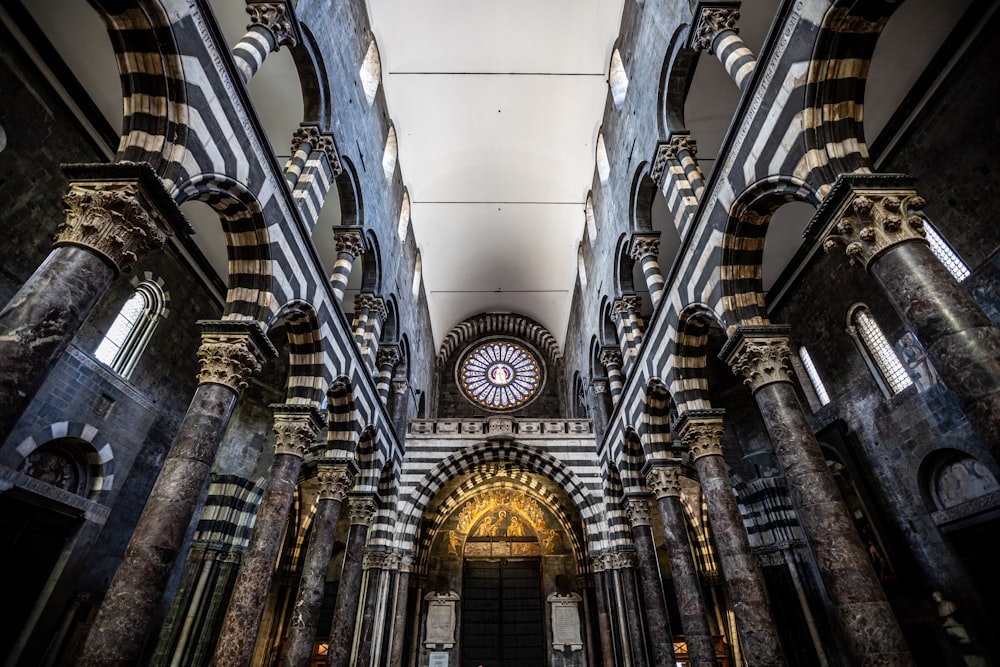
(388, 356)
(295, 428)
(399, 386)
(380, 560)
(114, 220)
(361, 509)
(871, 222)
(712, 22)
(273, 17)
(349, 240)
(760, 355)
(328, 146)
(611, 358)
(683, 142)
(600, 386)
(621, 560)
(701, 431)
(660, 159)
(639, 511)
(664, 481)
(645, 245)
(364, 301)
(231, 352)
(334, 481)
(305, 134)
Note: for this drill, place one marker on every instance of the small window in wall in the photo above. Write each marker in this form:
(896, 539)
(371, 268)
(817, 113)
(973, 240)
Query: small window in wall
(418, 269)
(371, 73)
(814, 378)
(618, 80)
(603, 165)
(389, 154)
(127, 336)
(591, 220)
(404, 217)
(880, 355)
(581, 267)
(956, 267)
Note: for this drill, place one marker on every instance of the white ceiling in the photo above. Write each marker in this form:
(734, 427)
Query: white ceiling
(496, 108)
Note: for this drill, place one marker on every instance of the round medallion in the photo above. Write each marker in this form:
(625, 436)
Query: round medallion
(500, 375)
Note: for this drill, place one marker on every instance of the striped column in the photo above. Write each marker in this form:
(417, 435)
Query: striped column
(334, 479)
(363, 304)
(664, 478)
(716, 32)
(311, 171)
(633, 320)
(269, 29)
(612, 360)
(661, 637)
(345, 611)
(645, 249)
(295, 428)
(373, 332)
(350, 244)
(760, 355)
(701, 431)
(388, 357)
(303, 140)
(675, 170)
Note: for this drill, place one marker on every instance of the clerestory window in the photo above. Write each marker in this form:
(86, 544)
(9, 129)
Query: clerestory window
(879, 353)
(128, 335)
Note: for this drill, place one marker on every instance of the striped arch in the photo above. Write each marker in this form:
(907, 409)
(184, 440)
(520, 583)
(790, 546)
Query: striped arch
(99, 460)
(675, 79)
(644, 191)
(367, 456)
(699, 531)
(835, 89)
(657, 414)
(510, 477)
(382, 532)
(230, 510)
(690, 371)
(619, 528)
(630, 463)
(155, 122)
(247, 243)
(468, 460)
(510, 324)
(743, 246)
(342, 419)
(305, 354)
(767, 511)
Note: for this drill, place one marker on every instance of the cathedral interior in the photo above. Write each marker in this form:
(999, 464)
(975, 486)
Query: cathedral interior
(552, 333)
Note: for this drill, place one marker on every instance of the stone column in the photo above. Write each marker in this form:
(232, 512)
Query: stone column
(304, 140)
(661, 636)
(345, 612)
(363, 304)
(612, 360)
(701, 431)
(379, 567)
(372, 336)
(875, 218)
(295, 428)
(597, 565)
(630, 307)
(231, 351)
(388, 357)
(760, 355)
(114, 214)
(623, 566)
(311, 171)
(663, 477)
(335, 478)
(599, 389)
(401, 613)
(270, 28)
(645, 249)
(716, 32)
(350, 244)
(399, 404)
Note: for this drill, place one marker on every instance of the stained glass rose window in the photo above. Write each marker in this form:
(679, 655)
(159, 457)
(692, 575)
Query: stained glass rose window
(500, 375)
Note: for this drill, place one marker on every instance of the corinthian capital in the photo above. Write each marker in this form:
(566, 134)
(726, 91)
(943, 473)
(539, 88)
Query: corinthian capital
(611, 357)
(759, 354)
(231, 352)
(349, 240)
(273, 17)
(388, 356)
(305, 134)
(645, 245)
(361, 509)
(870, 222)
(664, 480)
(701, 431)
(638, 510)
(712, 22)
(334, 481)
(295, 428)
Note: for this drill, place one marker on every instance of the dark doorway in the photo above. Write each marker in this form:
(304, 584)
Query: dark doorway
(502, 621)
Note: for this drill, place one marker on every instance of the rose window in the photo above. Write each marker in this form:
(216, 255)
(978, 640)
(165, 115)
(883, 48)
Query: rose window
(500, 375)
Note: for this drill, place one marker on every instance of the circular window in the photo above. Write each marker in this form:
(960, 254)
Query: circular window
(500, 375)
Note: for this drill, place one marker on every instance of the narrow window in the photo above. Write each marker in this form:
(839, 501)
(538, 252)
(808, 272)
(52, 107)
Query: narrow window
(618, 80)
(603, 165)
(880, 355)
(418, 269)
(581, 267)
(591, 220)
(945, 254)
(389, 154)
(814, 378)
(371, 73)
(127, 336)
(404, 217)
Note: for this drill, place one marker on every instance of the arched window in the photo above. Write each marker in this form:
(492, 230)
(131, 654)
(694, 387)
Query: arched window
(581, 267)
(371, 73)
(814, 379)
(389, 154)
(418, 270)
(618, 80)
(603, 165)
(128, 334)
(404, 217)
(945, 254)
(591, 220)
(879, 354)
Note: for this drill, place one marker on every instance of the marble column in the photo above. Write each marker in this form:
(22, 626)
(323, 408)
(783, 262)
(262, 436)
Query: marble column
(716, 32)
(875, 217)
(401, 613)
(599, 391)
(363, 304)
(379, 568)
(114, 214)
(231, 351)
(388, 357)
(661, 636)
(295, 428)
(664, 478)
(269, 29)
(361, 508)
(645, 249)
(701, 431)
(623, 567)
(304, 140)
(760, 355)
(597, 565)
(350, 244)
(311, 171)
(372, 336)
(612, 360)
(626, 334)
(399, 404)
(334, 478)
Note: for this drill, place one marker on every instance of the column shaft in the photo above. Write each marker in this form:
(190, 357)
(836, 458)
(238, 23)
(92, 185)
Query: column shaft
(269, 29)
(399, 620)
(661, 637)
(603, 620)
(345, 611)
(654, 278)
(633, 615)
